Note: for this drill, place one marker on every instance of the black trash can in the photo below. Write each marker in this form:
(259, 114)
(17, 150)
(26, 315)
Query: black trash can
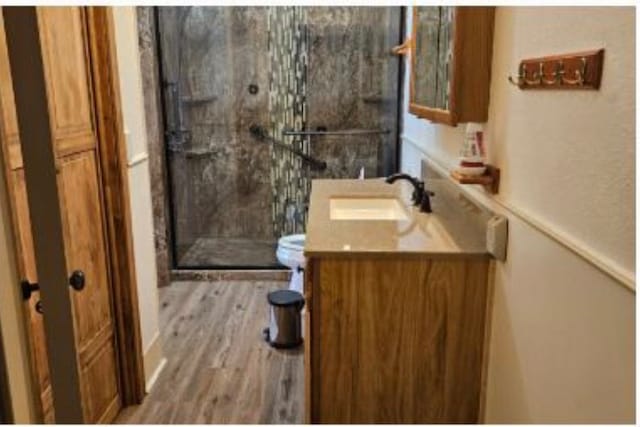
(285, 322)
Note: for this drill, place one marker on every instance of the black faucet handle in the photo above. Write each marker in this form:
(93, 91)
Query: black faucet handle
(418, 192)
(425, 203)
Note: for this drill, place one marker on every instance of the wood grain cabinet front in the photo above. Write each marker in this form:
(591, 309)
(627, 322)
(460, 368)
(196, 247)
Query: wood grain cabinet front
(395, 339)
(451, 49)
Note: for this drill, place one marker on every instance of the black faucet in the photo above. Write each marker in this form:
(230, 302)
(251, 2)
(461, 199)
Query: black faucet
(420, 195)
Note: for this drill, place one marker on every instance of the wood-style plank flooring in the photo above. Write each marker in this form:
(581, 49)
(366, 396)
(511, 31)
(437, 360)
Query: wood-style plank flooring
(219, 369)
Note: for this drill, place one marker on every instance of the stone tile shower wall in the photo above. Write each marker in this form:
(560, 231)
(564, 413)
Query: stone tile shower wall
(220, 173)
(313, 67)
(288, 55)
(331, 68)
(353, 84)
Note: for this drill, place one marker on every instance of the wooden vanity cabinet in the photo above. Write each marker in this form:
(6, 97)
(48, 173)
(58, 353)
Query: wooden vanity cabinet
(451, 48)
(395, 338)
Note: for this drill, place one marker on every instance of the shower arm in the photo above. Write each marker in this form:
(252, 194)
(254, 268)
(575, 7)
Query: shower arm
(260, 133)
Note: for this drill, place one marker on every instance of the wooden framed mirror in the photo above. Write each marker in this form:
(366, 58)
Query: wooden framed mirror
(451, 63)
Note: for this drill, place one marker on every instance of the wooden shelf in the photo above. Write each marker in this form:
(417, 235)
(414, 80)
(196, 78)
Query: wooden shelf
(490, 179)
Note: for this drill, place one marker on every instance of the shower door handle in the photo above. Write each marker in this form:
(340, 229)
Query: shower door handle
(171, 98)
(175, 129)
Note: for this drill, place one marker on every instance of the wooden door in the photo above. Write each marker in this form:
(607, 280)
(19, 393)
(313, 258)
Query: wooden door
(65, 55)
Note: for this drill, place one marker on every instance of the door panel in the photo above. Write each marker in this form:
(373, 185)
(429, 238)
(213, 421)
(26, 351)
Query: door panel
(85, 245)
(64, 51)
(10, 135)
(99, 383)
(66, 63)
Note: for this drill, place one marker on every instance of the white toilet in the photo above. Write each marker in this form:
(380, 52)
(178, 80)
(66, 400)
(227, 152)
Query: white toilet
(290, 253)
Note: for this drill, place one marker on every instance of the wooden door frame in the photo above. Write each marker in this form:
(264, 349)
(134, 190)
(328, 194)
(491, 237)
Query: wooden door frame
(113, 162)
(100, 30)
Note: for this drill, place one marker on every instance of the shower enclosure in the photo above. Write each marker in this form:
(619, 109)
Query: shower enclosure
(258, 101)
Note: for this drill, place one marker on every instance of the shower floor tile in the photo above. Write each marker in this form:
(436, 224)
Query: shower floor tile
(230, 252)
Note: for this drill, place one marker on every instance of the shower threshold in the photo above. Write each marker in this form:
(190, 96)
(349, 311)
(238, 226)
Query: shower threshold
(229, 253)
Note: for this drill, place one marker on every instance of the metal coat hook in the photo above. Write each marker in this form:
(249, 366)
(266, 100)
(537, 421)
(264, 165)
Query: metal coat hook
(580, 74)
(556, 76)
(570, 71)
(520, 77)
(537, 76)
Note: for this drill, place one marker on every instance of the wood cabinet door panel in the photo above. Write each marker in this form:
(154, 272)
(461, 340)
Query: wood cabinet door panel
(401, 314)
(337, 314)
(400, 340)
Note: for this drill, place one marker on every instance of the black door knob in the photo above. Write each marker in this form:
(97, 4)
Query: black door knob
(76, 281)
(39, 307)
(28, 288)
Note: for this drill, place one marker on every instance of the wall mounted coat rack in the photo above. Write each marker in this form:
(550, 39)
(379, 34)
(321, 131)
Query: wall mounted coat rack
(581, 70)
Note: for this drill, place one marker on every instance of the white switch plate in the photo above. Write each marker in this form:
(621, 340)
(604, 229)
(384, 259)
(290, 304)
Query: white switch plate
(497, 236)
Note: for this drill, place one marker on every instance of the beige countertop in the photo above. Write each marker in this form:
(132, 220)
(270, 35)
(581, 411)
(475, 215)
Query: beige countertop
(451, 230)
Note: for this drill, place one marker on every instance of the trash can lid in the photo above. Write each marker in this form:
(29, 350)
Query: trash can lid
(284, 297)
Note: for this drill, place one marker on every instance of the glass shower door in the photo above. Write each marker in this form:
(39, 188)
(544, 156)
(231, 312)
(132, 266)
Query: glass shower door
(238, 84)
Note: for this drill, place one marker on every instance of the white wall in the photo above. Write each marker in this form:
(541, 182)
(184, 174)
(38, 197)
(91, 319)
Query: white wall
(139, 184)
(563, 330)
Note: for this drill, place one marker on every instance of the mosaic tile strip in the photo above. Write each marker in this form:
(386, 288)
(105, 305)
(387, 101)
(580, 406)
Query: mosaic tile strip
(288, 54)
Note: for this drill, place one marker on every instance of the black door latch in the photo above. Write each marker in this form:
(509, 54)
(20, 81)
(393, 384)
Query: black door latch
(76, 281)
(28, 288)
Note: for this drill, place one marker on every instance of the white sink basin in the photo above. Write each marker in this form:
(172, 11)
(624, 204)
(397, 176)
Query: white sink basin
(367, 208)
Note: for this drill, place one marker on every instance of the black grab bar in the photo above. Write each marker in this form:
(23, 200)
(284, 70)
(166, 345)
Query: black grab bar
(260, 133)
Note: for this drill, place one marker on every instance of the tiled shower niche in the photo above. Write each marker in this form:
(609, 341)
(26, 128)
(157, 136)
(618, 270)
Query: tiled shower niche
(228, 70)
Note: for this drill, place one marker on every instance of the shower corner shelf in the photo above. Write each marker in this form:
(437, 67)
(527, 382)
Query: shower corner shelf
(490, 179)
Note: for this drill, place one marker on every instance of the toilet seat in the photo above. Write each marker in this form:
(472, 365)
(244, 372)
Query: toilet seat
(293, 242)
(290, 251)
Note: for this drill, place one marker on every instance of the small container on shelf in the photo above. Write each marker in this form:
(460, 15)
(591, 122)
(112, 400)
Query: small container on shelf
(472, 167)
(472, 155)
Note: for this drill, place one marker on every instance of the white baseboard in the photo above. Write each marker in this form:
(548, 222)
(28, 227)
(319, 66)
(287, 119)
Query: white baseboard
(149, 383)
(154, 362)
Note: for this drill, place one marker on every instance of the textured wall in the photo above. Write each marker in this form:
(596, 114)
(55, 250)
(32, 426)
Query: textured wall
(563, 335)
